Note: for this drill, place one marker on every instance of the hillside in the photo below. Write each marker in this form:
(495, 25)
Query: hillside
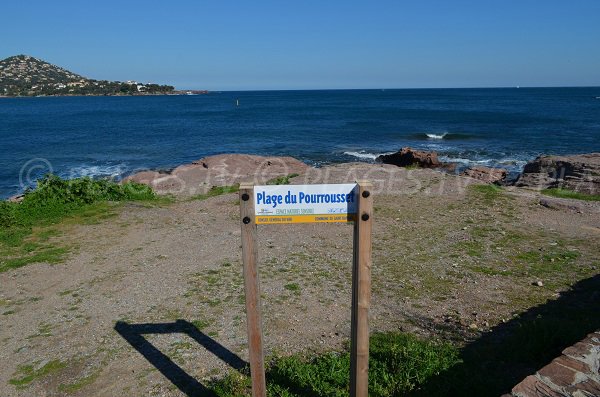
(23, 75)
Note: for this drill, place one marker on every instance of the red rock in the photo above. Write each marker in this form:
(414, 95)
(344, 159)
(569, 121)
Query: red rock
(578, 350)
(534, 387)
(589, 385)
(486, 174)
(16, 199)
(220, 170)
(408, 157)
(575, 365)
(559, 375)
(580, 173)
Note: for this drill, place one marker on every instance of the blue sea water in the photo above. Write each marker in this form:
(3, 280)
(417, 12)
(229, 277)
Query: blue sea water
(114, 136)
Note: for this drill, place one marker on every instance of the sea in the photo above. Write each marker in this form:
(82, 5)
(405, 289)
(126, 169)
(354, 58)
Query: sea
(116, 136)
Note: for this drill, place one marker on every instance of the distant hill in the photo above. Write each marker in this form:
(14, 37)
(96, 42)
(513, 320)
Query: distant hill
(23, 75)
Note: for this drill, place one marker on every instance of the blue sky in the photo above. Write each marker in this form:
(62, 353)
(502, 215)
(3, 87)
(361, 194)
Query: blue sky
(243, 45)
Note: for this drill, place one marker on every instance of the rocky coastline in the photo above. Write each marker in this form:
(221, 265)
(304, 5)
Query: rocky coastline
(579, 173)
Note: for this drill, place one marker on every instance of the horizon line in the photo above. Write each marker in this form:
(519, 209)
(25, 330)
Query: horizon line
(391, 89)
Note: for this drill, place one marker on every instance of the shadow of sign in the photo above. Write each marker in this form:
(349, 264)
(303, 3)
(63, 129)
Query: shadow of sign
(498, 360)
(134, 335)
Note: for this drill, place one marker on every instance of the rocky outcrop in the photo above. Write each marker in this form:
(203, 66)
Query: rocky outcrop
(407, 157)
(580, 173)
(221, 170)
(486, 174)
(16, 199)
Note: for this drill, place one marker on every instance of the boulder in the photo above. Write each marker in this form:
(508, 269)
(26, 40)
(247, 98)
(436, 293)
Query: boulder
(486, 174)
(16, 199)
(220, 170)
(580, 173)
(407, 157)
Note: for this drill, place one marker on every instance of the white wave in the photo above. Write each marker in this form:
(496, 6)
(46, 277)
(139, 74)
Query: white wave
(92, 171)
(468, 162)
(362, 155)
(436, 136)
(448, 159)
(511, 161)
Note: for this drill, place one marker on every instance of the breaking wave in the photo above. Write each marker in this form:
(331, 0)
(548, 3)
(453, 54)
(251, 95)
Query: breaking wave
(363, 155)
(96, 171)
(436, 136)
(446, 136)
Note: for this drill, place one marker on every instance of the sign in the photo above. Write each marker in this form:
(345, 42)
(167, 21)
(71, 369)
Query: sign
(280, 204)
(275, 204)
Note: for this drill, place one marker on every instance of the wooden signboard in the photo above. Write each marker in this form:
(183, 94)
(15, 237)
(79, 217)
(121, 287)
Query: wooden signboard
(286, 204)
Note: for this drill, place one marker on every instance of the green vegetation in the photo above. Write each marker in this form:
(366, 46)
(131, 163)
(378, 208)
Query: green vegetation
(571, 194)
(545, 263)
(217, 191)
(399, 363)
(27, 227)
(80, 383)
(488, 192)
(292, 287)
(28, 373)
(282, 180)
(403, 364)
(200, 324)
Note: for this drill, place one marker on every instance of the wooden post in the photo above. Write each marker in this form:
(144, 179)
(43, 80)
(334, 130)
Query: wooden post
(252, 287)
(361, 292)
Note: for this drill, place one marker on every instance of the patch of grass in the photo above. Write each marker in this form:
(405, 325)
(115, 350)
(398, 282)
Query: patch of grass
(490, 271)
(44, 330)
(487, 192)
(54, 198)
(200, 324)
(540, 263)
(5, 302)
(216, 191)
(570, 194)
(294, 287)
(471, 247)
(49, 255)
(27, 227)
(80, 383)
(213, 302)
(28, 373)
(398, 363)
(282, 180)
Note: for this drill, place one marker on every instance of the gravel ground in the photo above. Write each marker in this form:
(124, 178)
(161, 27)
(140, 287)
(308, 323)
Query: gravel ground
(447, 263)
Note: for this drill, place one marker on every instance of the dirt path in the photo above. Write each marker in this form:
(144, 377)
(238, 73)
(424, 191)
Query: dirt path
(449, 261)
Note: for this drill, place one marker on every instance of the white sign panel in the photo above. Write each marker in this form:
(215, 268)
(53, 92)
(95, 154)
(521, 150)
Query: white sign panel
(305, 203)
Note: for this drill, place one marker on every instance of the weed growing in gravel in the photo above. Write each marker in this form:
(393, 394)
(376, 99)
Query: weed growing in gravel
(200, 324)
(216, 191)
(281, 180)
(571, 194)
(487, 192)
(80, 383)
(294, 287)
(28, 373)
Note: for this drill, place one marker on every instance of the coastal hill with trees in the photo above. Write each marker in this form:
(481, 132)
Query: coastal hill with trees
(24, 75)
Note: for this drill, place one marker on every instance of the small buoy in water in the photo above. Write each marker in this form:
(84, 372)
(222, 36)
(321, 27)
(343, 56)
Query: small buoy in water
(237, 102)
